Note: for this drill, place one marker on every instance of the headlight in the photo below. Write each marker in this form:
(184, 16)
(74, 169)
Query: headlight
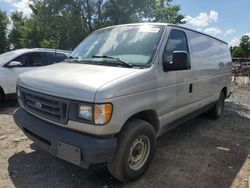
(103, 113)
(99, 114)
(86, 112)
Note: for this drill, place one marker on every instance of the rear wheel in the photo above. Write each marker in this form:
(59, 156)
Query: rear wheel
(2, 98)
(217, 111)
(135, 150)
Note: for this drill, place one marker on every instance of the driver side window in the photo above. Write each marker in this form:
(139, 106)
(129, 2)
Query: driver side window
(35, 59)
(177, 41)
(22, 59)
(31, 59)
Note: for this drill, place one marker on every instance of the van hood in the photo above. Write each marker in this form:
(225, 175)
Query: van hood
(73, 81)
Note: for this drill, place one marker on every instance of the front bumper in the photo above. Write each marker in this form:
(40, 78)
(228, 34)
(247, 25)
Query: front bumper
(47, 136)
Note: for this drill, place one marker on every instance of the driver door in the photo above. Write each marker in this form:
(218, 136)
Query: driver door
(177, 85)
(28, 62)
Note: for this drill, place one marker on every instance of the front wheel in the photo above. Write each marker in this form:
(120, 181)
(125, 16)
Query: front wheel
(135, 151)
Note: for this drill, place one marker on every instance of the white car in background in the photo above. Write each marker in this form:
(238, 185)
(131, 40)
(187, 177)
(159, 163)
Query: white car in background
(16, 62)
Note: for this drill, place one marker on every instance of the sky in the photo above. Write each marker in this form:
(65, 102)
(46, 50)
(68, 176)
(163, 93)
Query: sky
(225, 19)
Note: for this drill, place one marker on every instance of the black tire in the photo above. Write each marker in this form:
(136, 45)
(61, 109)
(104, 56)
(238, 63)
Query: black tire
(217, 111)
(2, 99)
(120, 167)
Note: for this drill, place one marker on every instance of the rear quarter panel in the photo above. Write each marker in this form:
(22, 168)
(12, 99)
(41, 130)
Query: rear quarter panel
(213, 65)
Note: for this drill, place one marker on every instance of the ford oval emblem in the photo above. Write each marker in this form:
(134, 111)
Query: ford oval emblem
(38, 105)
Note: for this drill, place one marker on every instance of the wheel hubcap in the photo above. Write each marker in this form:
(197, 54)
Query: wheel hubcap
(139, 153)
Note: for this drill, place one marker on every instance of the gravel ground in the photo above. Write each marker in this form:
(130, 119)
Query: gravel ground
(199, 153)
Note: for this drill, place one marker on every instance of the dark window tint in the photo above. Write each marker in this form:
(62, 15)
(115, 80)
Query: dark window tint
(51, 58)
(60, 57)
(177, 42)
(22, 59)
(55, 57)
(35, 59)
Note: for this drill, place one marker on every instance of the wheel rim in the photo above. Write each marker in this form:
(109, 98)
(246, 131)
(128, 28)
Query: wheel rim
(139, 153)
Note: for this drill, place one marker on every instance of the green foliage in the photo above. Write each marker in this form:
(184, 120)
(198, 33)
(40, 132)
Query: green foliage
(243, 50)
(245, 45)
(121, 12)
(164, 11)
(130, 11)
(64, 23)
(4, 20)
(237, 52)
(15, 36)
(48, 43)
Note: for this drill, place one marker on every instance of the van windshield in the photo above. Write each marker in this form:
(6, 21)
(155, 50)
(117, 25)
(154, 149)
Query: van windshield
(135, 45)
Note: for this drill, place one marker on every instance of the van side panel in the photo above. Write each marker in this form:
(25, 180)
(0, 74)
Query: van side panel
(212, 62)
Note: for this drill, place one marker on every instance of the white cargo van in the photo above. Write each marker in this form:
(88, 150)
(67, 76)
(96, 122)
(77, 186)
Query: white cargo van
(123, 86)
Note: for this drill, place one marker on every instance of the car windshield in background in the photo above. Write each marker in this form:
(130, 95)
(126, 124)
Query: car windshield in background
(135, 45)
(6, 56)
(245, 64)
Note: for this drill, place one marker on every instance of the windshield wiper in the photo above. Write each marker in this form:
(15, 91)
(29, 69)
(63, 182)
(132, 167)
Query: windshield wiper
(71, 58)
(117, 59)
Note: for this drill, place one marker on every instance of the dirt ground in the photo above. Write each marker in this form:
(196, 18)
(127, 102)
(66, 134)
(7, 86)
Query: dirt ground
(199, 153)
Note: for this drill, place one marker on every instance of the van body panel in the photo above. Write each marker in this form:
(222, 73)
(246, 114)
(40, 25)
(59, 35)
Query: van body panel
(212, 61)
(73, 81)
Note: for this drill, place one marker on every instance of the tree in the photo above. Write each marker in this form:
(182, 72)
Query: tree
(4, 21)
(245, 45)
(60, 21)
(15, 36)
(237, 52)
(164, 11)
(243, 50)
(120, 11)
(64, 23)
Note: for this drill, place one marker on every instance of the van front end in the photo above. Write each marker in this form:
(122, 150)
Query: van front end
(46, 120)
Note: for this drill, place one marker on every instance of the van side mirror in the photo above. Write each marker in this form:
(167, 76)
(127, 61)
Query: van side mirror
(180, 62)
(13, 64)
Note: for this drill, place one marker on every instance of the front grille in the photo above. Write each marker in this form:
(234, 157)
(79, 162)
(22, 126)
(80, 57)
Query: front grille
(49, 107)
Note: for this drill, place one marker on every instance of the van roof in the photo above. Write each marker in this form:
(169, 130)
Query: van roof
(167, 24)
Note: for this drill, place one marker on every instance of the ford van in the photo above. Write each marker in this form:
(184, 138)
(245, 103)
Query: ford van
(120, 89)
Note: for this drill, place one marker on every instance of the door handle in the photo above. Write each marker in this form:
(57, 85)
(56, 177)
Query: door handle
(191, 88)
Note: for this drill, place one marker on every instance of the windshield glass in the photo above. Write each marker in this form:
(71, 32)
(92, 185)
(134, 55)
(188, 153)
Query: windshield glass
(244, 64)
(6, 56)
(135, 44)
